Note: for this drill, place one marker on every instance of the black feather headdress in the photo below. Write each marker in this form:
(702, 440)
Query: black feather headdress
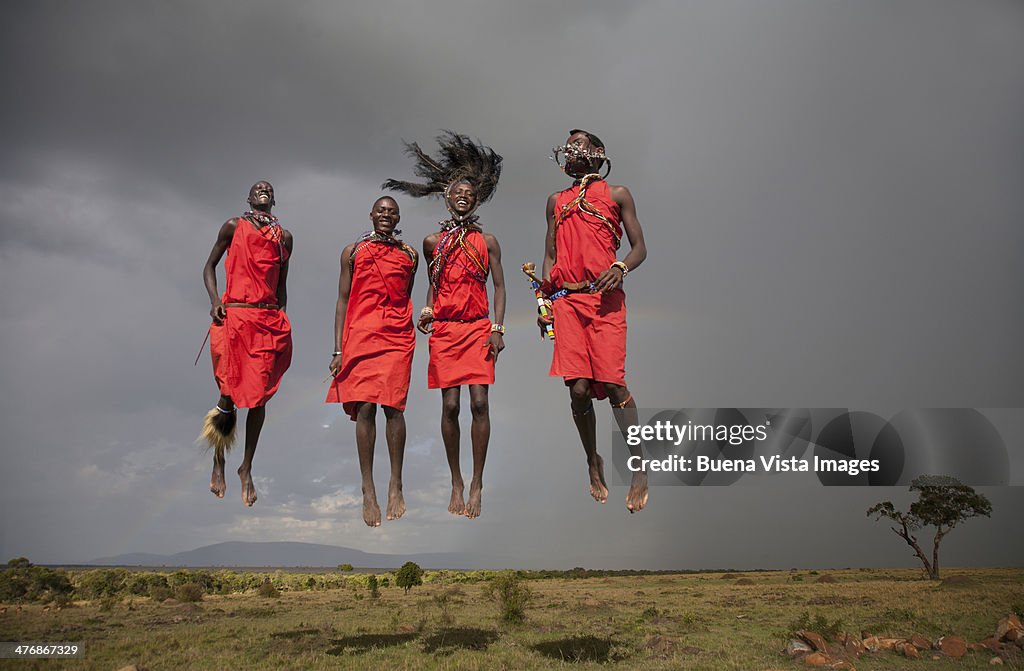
(460, 160)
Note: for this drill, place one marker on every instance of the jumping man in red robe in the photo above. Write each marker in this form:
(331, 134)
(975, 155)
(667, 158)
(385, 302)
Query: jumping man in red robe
(250, 338)
(585, 225)
(464, 342)
(373, 346)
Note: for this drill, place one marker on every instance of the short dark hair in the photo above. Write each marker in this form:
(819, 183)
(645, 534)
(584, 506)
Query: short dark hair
(594, 140)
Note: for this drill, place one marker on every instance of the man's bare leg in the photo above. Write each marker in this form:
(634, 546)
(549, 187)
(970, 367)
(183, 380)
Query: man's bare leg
(394, 431)
(217, 483)
(481, 435)
(586, 424)
(624, 409)
(366, 436)
(451, 435)
(253, 426)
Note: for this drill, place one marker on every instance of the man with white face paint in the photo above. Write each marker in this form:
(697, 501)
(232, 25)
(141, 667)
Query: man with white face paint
(585, 226)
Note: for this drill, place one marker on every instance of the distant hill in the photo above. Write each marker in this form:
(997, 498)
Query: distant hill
(237, 553)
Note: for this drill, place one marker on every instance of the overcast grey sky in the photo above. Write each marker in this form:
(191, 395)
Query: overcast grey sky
(831, 193)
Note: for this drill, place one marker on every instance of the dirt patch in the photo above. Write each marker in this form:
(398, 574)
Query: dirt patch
(295, 633)
(466, 638)
(362, 643)
(579, 649)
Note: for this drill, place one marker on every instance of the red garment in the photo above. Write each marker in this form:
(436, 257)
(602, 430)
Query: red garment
(585, 247)
(459, 352)
(378, 339)
(590, 329)
(252, 348)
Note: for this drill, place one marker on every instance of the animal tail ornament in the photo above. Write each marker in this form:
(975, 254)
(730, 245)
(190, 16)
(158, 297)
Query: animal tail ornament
(219, 430)
(543, 304)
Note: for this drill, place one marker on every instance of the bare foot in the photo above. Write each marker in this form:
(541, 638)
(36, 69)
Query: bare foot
(371, 511)
(396, 502)
(457, 505)
(473, 507)
(636, 498)
(248, 488)
(217, 484)
(598, 488)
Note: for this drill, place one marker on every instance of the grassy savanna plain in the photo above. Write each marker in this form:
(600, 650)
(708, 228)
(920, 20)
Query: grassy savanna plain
(707, 621)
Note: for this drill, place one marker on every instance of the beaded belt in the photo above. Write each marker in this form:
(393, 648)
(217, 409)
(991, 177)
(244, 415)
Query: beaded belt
(260, 306)
(573, 288)
(463, 321)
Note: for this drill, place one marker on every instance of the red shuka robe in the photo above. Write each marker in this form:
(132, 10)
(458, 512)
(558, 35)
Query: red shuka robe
(459, 352)
(590, 329)
(378, 338)
(252, 349)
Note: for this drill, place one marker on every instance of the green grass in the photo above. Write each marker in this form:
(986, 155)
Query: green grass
(691, 621)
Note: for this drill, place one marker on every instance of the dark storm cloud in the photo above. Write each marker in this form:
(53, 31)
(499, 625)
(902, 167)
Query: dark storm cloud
(189, 90)
(830, 193)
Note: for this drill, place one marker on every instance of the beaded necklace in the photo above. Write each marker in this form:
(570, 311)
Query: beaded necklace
(584, 205)
(266, 224)
(370, 237)
(260, 218)
(453, 236)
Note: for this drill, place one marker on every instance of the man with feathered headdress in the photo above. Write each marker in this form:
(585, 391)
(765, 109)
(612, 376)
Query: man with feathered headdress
(464, 342)
(586, 223)
(251, 337)
(373, 347)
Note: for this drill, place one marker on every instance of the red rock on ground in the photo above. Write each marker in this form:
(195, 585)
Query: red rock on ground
(952, 646)
(909, 651)
(853, 646)
(1006, 625)
(871, 644)
(991, 643)
(920, 642)
(817, 659)
(816, 640)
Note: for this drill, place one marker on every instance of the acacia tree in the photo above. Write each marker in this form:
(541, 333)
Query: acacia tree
(409, 576)
(942, 502)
